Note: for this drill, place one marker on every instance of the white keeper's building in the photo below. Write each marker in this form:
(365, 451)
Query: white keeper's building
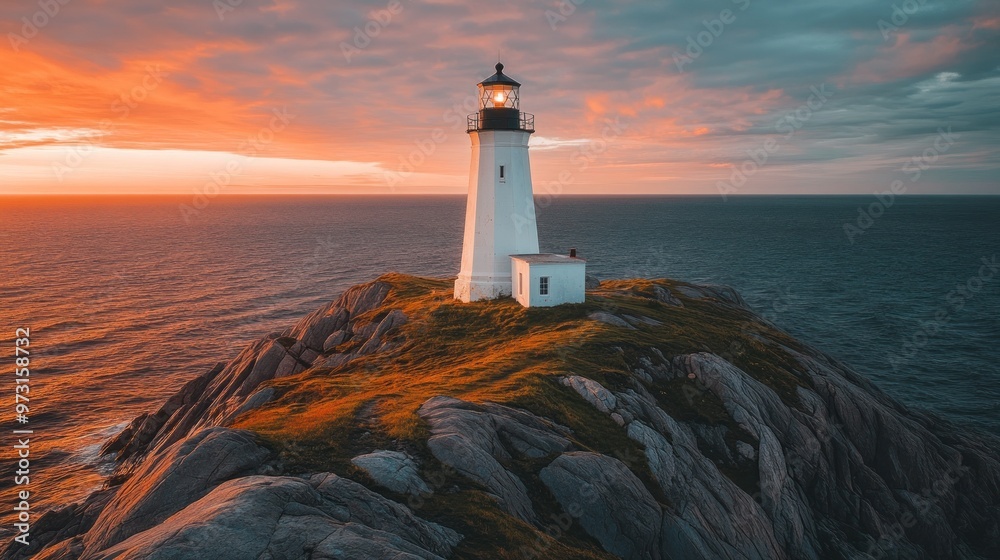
(500, 251)
(543, 280)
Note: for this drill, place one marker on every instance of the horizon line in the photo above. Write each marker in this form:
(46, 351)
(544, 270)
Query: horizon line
(463, 195)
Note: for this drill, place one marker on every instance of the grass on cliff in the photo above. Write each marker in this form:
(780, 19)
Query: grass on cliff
(487, 351)
(501, 352)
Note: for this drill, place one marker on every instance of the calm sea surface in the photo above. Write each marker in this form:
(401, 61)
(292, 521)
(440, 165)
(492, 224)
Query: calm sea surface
(126, 300)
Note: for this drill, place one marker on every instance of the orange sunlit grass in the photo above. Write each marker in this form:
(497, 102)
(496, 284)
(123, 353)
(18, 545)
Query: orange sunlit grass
(498, 351)
(479, 353)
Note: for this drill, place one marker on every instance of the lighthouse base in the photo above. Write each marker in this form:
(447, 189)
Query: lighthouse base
(474, 289)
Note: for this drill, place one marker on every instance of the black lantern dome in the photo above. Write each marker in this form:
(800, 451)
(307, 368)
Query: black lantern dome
(499, 105)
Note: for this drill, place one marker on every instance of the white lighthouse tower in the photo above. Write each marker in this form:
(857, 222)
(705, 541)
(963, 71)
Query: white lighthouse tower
(499, 216)
(500, 251)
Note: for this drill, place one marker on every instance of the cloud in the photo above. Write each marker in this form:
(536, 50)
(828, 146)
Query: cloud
(542, 143)
(41, 136)
(372, 83)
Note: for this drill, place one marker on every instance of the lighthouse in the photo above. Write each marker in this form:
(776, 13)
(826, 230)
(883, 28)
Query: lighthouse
(501, 234)
(499, 214)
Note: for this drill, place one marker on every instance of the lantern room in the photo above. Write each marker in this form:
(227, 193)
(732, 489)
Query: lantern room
(500, 105)
(499, 91)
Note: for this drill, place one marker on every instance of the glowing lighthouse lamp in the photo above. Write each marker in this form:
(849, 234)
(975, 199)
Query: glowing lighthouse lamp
(500, 251)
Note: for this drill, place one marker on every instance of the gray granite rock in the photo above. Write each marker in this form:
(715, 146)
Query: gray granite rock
(610, 319)
(592, 392)
(610, 502)
(476, 439)
(393, 320)
(664, 295)
(335, 339)
(168, 482)
(288, 518)
(393, 470)
(314, 330)
(351, 502)
(216, 397)
(641, 320)
(724, 294)
(709, 516)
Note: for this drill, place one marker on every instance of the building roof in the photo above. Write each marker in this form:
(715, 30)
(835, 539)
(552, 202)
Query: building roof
(548, 258)
(499, 78)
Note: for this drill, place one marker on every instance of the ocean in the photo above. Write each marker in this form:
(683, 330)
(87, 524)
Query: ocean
(126, 299)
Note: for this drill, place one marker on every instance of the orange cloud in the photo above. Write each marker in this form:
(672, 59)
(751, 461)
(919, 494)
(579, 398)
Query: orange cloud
(597, 105)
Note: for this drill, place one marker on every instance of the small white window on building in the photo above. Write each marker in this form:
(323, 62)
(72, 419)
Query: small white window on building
(543, 286)
(502, 178)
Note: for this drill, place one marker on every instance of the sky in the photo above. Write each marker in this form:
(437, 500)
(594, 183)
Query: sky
(717, 97)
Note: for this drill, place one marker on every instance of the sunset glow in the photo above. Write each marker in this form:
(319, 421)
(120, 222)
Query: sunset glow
(310, 98)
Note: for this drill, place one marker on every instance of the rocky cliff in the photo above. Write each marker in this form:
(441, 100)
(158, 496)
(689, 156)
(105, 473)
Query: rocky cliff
(659, 420)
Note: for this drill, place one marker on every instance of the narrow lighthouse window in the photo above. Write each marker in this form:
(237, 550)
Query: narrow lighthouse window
(501, 173)
(543, 286)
